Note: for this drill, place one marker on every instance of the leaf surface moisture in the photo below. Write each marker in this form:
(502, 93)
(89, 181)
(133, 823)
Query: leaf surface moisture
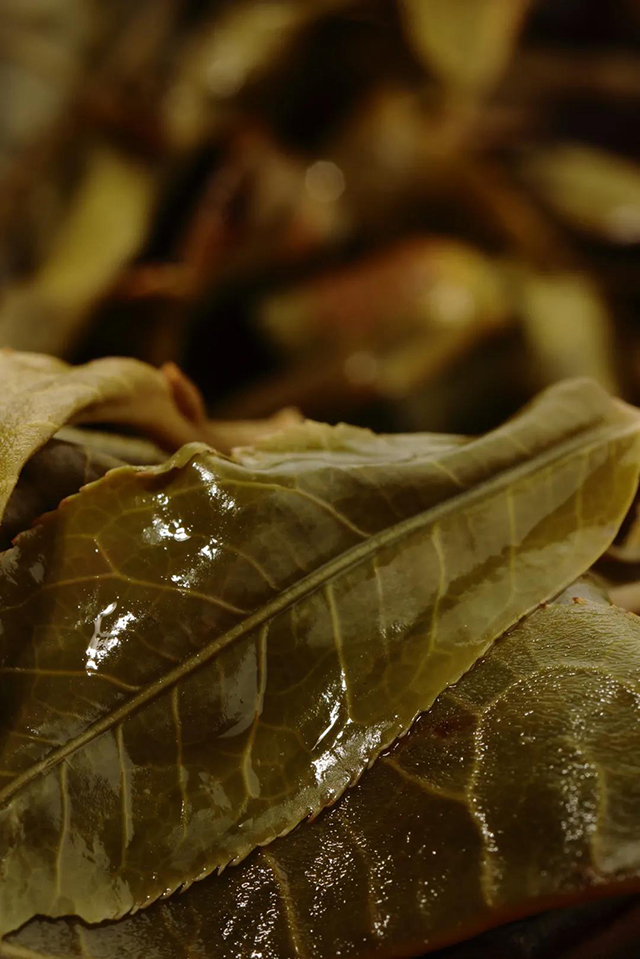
(197, 656)
(517, 792)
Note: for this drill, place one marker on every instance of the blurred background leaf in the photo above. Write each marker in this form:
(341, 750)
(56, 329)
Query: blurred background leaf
(467, 44)
(102, 228)
(591, 189)
(410, 214)
(567, 328)
(407, 213)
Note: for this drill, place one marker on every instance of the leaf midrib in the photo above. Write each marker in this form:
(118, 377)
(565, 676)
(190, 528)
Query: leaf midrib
(588, 438)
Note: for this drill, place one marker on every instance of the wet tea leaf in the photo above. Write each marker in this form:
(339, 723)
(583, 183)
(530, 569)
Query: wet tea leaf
(517, 792)
(197, 656)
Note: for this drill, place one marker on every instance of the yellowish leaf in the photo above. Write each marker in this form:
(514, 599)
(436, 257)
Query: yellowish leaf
(567, 326)
(466, 42)
(104, 228)
(593, 190)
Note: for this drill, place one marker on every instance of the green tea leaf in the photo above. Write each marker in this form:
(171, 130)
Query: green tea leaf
(517, 792)
(197, 656)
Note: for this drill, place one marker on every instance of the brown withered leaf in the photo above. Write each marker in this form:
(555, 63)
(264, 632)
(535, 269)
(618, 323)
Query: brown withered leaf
(603, 929)
(393, 320)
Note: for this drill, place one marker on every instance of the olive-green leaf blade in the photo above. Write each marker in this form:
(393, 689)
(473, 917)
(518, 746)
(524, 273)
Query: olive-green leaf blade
(519, 791)
(197, 656)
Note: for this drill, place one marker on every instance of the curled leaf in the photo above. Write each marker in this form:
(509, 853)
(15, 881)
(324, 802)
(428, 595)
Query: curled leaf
(41, 394)
(56, 471)
(197, 656)
(73, 458)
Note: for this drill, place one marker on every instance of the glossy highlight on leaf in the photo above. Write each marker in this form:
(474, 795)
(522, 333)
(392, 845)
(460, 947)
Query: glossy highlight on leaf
(197, 656)
(56, 471)
(516, 792)
(41, 394)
